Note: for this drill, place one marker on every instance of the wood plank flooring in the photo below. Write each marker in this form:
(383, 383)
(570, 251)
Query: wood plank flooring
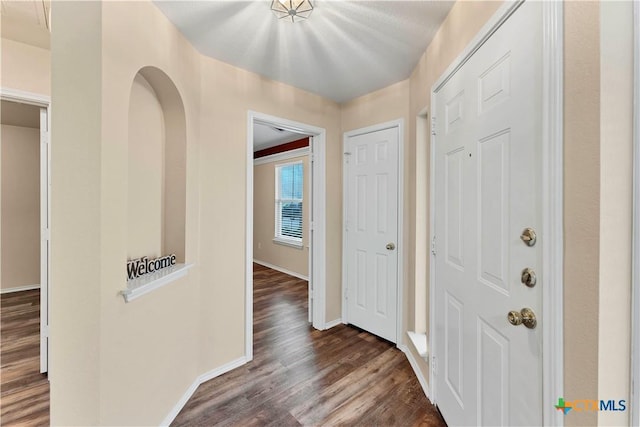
(24, 391)
(301, 376)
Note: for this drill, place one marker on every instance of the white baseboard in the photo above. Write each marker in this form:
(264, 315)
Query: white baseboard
(198, 381)
(416, 369)
(19, 289)
(332, 324)
(282, 270)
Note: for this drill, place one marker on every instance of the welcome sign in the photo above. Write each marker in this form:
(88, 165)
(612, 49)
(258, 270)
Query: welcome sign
(141, 266)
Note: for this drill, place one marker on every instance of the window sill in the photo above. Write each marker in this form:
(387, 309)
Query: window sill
(150, 282)
(419, 343)
(287, 242)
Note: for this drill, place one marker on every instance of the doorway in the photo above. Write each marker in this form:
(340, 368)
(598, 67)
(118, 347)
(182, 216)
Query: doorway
(316, 229)
(372, 242)
(26, 201)
(282, 201)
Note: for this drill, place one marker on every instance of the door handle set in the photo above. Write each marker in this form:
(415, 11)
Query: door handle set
(525, 317)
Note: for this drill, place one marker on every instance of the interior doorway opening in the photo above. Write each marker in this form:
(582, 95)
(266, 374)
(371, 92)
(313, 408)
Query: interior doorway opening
(282, 199)
(25, 210)
(287, 210)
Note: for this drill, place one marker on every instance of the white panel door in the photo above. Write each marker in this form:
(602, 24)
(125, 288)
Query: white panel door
(487, 191)
(371, 227)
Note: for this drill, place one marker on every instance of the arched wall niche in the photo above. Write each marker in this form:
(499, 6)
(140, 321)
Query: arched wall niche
(156, 207)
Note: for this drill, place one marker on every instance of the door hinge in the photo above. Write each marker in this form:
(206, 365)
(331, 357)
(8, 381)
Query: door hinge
(434, 366)
(433, 246)
(312, 157)
(433, 125)
(46, 234)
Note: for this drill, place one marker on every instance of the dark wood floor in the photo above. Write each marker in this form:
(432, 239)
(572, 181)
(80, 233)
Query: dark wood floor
(301, 376)
(24, 391)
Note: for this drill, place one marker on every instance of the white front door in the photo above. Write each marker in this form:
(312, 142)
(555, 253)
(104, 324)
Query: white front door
(371, 227)
(488, 131)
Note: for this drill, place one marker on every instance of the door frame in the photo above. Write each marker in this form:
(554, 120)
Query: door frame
(399, 124)
(635, 260)
(317, 221)
(552, 197)
(44, 102)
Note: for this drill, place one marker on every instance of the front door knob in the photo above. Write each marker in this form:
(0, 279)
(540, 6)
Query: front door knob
(525, 317)
(528, 236)
(391, 246)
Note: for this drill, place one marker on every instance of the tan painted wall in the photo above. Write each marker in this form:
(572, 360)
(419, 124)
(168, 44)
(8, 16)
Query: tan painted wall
(20, 206)
(76, 228)
(581, 204)
(616, 154)
(152, 349)
(264, 249)
(25, 67)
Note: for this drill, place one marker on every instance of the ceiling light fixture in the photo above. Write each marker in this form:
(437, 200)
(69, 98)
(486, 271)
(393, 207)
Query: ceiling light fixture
(294, 10)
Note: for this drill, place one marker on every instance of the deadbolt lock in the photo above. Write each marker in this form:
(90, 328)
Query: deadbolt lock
(528, 277)
(525, 317)
(528, 236)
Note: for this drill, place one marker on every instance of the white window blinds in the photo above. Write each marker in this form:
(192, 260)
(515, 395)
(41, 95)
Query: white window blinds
(289, 185)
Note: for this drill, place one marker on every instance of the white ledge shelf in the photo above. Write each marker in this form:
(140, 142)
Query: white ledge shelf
(150, 282)
(419, 343)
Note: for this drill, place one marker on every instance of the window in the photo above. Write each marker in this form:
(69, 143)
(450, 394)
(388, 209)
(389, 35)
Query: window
(289, 203)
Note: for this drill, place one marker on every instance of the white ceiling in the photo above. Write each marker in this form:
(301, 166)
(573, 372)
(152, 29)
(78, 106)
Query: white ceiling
(345, 49)
(265, 136)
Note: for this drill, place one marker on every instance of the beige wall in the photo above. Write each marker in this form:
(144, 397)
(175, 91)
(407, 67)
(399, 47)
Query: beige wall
(76, 209)
(581, 203)
(20, 206)
(616, 154)
(264, 248)
(153, 348)
(25, 67)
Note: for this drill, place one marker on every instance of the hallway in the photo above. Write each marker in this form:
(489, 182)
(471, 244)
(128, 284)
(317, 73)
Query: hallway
(301, 376)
